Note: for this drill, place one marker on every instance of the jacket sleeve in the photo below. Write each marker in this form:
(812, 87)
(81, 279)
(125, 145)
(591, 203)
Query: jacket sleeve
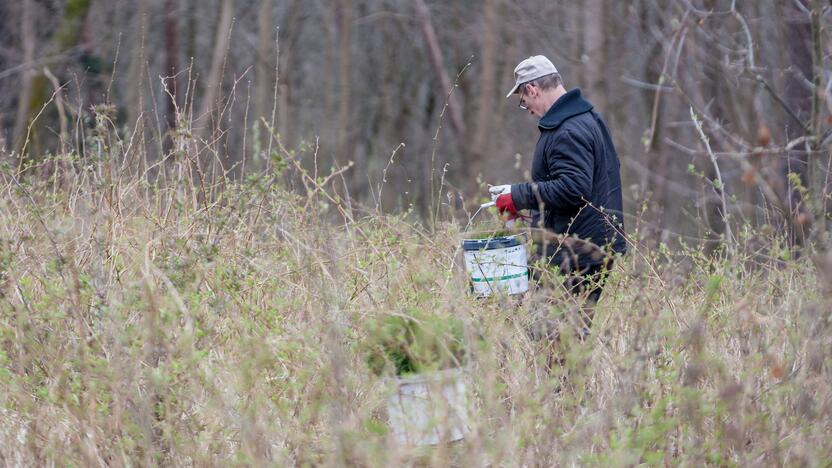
(570, 165)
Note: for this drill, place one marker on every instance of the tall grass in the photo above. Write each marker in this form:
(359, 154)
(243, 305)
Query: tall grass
(163, 315)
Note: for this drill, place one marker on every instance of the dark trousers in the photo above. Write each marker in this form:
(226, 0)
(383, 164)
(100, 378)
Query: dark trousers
(586, 285)
(590, 278)
(584, 282)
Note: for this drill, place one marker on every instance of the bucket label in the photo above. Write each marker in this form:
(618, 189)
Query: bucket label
(504, 269)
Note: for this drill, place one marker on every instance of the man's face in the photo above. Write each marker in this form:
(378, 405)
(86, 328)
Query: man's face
(530, 100)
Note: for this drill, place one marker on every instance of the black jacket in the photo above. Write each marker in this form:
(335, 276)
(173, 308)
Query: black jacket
(574, 163)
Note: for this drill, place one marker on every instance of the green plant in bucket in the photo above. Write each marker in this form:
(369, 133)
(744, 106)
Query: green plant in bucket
(486, 234)
(489, 225)
(414, 342)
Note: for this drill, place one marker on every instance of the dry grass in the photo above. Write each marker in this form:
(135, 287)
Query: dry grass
(162, 318)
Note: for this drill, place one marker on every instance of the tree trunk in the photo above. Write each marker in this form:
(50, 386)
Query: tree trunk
(593, 49)
(344, 139)
(264, 71)
(171, 59)
(798, 42)
(288, 43)
(438, 64)
(485, 108)
(445, 96)
(67, 36)
(135, 92)
(652, 159)
(819, 165)
(27, 31)
(213, 83)
(711, 92)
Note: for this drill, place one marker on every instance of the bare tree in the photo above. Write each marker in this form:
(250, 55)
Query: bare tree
(171, 58)
(27, 36)
(137, 67)
(344, 20)
(213, 82)
(437, 61)
(594, 27)
(798, 97)
(264, 67)
(67, 35)
(488, 88)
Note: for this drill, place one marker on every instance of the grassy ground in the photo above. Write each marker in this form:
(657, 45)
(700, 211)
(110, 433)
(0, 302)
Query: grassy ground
(182, 323)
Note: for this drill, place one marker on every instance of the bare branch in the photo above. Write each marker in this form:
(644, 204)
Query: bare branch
(719, 185)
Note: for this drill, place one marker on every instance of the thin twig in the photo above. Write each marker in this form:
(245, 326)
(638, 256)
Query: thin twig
(720, 185)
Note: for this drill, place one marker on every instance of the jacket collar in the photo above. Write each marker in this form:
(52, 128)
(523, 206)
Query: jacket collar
(567, 106)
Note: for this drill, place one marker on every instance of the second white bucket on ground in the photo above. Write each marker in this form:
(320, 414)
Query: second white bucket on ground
(497, 264)
(426, 409)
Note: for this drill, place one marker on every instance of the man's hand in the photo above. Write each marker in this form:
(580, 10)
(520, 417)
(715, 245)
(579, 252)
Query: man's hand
(497, 190)
(506, 205)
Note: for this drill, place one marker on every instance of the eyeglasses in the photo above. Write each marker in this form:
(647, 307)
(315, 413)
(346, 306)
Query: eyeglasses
(522, 104)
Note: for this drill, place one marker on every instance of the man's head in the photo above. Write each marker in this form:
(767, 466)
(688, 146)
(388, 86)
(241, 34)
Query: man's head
(538, 83)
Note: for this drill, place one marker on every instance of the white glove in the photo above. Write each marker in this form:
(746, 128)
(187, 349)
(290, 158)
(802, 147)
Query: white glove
(497, 190)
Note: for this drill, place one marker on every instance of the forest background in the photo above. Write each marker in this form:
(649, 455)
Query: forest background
(358, 78)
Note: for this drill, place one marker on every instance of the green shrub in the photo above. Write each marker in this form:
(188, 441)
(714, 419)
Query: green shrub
(413, 342)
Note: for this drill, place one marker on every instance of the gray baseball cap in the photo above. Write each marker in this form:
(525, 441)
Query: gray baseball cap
(531, 69)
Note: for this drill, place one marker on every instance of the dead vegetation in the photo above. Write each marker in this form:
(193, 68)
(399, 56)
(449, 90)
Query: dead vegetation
(154, 315)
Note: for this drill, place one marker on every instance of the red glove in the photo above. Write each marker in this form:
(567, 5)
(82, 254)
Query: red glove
(506, 205)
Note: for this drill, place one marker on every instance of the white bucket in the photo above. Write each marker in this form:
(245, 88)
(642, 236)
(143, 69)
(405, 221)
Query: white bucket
(426, 409)
(497, 264)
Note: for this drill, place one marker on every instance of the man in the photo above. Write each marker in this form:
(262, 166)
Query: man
(576, 181)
